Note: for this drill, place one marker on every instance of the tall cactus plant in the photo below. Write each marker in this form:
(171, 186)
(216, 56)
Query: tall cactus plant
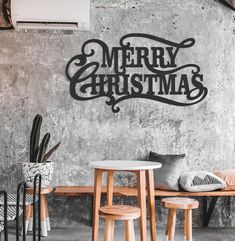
(34, 137)
(38, 152)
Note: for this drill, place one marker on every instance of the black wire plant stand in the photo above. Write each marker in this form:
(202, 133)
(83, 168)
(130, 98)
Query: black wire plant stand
(4, 223)
(21, 207)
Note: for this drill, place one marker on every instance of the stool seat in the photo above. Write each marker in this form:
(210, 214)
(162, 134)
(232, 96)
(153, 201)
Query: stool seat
(180, 203)
(113, 213)
(44, 190)
(120, 212)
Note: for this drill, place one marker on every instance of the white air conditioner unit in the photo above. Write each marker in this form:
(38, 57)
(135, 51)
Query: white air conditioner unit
(51, 14)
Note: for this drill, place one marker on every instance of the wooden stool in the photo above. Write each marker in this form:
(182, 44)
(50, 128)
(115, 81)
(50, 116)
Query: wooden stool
(187, 204)
(45, 221)
(119, 212)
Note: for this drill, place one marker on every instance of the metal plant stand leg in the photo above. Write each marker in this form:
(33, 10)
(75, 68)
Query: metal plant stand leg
(208, 210)
(21, 192)
(37, 207)
(91, 210)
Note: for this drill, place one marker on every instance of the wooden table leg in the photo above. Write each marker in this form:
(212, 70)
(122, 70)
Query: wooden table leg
(141, 183)
(152, 210)
(110, 188)
(96, 203)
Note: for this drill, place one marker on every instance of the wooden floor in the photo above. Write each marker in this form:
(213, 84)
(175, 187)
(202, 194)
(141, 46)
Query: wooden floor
(83, 233)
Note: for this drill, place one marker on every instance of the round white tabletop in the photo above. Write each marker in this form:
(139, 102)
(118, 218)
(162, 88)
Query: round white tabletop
(125, 165)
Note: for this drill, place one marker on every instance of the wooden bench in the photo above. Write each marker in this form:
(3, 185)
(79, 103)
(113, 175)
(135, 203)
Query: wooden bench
(208, 205)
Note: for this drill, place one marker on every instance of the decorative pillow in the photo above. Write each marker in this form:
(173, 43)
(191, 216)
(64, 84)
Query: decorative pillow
(167, 177)
(201, 181)
(228, 176)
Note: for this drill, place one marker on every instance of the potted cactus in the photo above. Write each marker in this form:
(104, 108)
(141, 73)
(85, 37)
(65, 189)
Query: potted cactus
(39, 157)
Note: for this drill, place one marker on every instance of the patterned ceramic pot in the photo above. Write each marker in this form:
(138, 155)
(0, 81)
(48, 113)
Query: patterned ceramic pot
(31, 169)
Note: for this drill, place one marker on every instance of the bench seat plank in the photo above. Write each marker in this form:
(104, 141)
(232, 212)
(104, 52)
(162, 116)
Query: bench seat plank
(218, 193)
(79, 190)
(132, 192)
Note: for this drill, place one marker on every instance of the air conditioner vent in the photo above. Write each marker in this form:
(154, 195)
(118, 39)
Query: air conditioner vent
(47, 25)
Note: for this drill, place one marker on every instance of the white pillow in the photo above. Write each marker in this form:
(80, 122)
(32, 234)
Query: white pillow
(201, 181)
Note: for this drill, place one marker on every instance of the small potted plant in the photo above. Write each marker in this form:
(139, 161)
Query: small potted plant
(39, 163)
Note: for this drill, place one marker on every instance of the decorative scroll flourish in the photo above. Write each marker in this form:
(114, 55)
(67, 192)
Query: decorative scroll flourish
(119, 73)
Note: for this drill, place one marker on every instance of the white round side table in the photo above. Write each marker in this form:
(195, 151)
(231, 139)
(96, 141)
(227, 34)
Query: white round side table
(144, 172)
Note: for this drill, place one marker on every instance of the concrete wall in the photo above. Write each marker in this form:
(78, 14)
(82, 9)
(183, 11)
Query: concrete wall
(32, 80)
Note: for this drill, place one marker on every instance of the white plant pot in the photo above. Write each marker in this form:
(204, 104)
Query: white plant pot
(31, 169)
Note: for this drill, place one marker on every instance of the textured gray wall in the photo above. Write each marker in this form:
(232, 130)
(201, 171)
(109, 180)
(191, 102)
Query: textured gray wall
(32, 80)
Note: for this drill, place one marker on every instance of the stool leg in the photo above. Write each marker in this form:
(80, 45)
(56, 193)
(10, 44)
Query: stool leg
(188, 224)
(47, 215)
(43, 217)
(129, 232)
(168, 222)
(109, 230)
(27, 219)
(30, 228)
(171, 227)
(185, 224)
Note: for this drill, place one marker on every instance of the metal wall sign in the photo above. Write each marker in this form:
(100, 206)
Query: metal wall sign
(142, 66)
